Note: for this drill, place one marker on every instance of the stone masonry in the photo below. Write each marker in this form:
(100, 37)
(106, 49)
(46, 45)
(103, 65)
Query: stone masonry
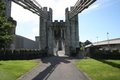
(58, 35)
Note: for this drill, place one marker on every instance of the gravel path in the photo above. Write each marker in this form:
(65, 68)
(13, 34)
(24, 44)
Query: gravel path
(55, 68)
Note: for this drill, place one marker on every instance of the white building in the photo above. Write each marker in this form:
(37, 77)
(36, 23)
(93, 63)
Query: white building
(111, 44)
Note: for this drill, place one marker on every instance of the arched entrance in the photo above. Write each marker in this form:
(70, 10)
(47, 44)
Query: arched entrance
(59, 37)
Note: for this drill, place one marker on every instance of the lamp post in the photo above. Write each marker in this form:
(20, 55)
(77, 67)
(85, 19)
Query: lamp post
(97, 40)
(108, 40)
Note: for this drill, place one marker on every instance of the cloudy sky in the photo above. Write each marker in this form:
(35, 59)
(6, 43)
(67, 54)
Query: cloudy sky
(100, 18)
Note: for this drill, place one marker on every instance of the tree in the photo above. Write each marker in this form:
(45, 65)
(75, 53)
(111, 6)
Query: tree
(6, 27)
(87, 42)
(81, 44)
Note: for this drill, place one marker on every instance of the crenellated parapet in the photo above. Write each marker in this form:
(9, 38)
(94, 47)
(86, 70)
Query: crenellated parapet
(47, 13)
(59, 29)
(58, 24)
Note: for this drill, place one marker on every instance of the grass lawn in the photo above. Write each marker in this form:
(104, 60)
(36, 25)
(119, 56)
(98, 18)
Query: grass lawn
(12, 69)
(100, 69)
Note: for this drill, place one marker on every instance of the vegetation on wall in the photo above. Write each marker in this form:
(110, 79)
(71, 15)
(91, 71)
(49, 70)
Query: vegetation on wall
(6, 27)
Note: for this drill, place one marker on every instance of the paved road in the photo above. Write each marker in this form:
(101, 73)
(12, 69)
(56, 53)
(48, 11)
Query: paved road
(55, 68)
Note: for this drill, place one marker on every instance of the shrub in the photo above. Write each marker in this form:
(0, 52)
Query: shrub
(22, 54)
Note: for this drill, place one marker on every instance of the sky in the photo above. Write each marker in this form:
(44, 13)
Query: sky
(95, 22)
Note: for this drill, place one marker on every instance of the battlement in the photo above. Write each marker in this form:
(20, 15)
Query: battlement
(57, 23)
(47, 9)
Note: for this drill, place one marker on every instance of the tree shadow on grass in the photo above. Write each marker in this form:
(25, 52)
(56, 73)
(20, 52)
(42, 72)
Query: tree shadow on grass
(110, 63)
(54, 62)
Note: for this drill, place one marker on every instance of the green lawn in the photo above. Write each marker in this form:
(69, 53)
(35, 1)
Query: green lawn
(11, 70)
(100, 69)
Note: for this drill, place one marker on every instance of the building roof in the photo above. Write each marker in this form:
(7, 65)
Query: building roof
(110, 41)
(106, 42)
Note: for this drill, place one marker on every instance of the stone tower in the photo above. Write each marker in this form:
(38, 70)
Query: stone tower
(46, 34)
(72, 32)
(8, 7)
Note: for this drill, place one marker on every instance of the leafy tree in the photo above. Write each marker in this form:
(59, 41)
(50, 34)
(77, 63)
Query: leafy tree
(81, 44)
(6, 27)
(87, 42)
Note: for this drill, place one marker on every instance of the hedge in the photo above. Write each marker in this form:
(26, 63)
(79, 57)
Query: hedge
(22, 54)
(104, 54)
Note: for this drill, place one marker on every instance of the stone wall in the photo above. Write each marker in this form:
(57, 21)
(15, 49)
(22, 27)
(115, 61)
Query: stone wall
(8, 7)
(25, 43)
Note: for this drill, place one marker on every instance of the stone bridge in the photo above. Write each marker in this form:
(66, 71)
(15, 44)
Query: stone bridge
(57, 35)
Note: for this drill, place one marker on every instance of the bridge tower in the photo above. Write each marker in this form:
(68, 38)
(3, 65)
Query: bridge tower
(72, 32)
(46, 34)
